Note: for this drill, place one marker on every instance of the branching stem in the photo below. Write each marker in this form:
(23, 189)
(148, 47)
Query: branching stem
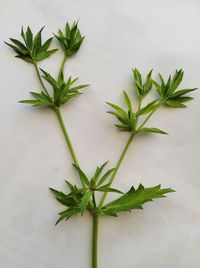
(62, 67)
(117, 167)
(40, 79)
(71, 149)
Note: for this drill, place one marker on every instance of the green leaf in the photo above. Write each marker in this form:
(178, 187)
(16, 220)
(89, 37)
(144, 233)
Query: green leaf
(153, 130)
(176, 104)
(142, 89)
(158, 88)
(105, 177)
(123, 127)
(148, 108)
(82, 175)
(29, 38)
(182, 92)
(19, 44)
(71, 39)
(37, 42)
(85, 200)
(67, 214)
(148, 84)
(32, 50)
(98, 172)
(106, 189)
(36, 103)
(134, 199)
(66, 200)
(128, 102)
(118, 109)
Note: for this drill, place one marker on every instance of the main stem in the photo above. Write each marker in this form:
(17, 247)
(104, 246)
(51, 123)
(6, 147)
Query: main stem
(117, 167)
(95, 241)
(59, 116)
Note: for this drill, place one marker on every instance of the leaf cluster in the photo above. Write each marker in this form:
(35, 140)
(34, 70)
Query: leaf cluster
(168, 95)
(79, 200)
(168, 92)
(31, 49)
(62, 92)
(71, 39)
(142, 88)
(128, 118)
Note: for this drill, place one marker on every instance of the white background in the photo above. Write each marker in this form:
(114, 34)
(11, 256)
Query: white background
(163, 35)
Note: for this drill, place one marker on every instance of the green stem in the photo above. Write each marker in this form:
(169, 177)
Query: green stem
(95, 241)
(62, 67)
(117, 167)
(57, 111)
(148, 117)
(71, 149)
(40, 79)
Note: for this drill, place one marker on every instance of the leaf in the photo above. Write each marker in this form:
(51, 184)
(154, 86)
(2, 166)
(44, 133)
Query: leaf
(177, 79)
(106, 189)
(148, 84)
(182, 92)
(37, 42)
(105, 177)
(46, 45)
(71, 39)
(32, 50)
(66, 200)
(36, 103)
(19, 44)
(82, 175)
(66, 214)
(71, 187)
(98, 172)
(119, 110)
(158, 88)
(128, 102)
(123, 127)
(29, 38)
(148, 108)
(153, 130)
(176, 104)
(134, 199)
(137, 76)
(85, 200)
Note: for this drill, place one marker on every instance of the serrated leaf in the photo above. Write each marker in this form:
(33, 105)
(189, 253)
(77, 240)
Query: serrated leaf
(134, 199)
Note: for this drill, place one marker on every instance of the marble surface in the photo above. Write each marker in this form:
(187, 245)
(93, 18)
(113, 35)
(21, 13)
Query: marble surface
(163, 35)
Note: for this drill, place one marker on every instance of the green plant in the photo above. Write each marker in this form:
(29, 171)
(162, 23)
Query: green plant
(132, 119)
